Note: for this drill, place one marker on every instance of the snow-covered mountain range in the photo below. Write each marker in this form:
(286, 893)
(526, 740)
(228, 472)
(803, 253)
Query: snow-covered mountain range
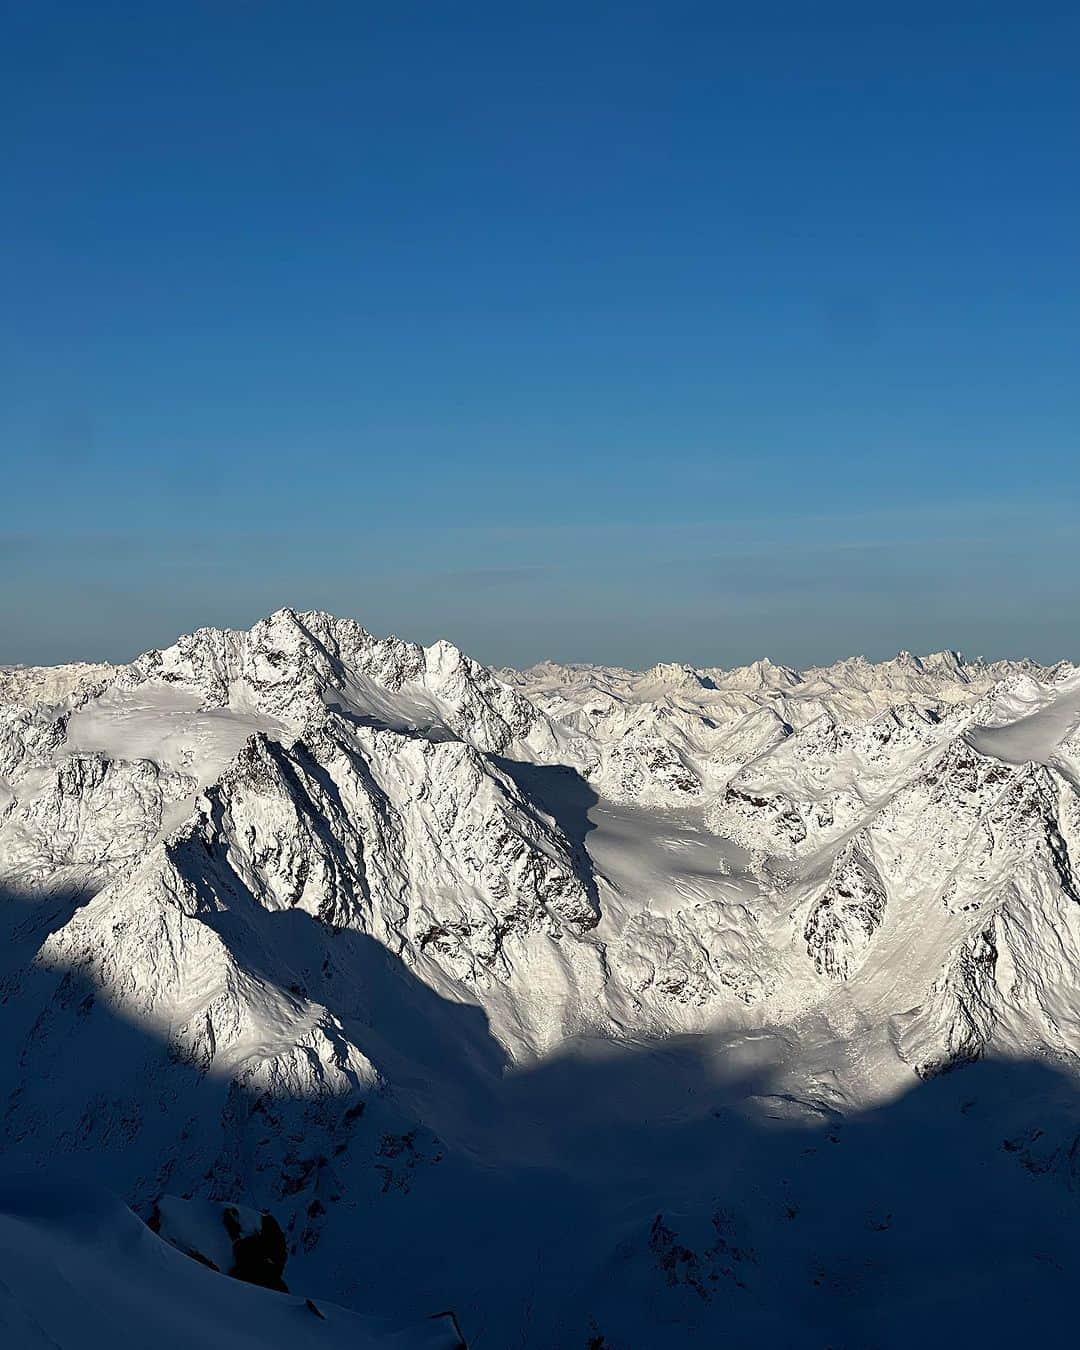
(607, 1009)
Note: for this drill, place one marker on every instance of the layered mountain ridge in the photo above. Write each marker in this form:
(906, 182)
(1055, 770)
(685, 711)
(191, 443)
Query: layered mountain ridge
(329, 925)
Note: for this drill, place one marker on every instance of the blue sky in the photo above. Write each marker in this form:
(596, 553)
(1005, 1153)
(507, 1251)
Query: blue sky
(604, 332)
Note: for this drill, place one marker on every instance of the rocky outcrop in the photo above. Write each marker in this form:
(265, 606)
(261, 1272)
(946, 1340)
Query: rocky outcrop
(233, 1239)
(842, 923)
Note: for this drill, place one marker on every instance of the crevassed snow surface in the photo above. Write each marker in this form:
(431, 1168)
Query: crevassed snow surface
(604, 1008)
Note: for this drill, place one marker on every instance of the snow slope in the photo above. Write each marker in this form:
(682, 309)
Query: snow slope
(78, 1271)
(542, 995)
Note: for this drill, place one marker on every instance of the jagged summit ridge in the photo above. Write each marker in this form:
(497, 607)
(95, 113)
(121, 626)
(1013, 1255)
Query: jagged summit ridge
(292, 665)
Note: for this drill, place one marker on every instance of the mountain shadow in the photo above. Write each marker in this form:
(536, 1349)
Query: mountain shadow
(616, 1197)
(565, 795)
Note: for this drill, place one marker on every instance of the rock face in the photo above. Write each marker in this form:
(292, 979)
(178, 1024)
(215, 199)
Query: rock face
(231, 1239)
(843, 922)
(297, 916)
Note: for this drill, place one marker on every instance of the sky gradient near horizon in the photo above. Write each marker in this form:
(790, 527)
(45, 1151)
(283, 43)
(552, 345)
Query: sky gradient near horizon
(610, 332)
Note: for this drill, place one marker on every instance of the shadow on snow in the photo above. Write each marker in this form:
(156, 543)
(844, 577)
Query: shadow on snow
(613, 1198)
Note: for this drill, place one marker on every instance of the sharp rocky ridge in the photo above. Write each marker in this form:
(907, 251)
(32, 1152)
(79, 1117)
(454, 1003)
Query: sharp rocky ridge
(313, 921)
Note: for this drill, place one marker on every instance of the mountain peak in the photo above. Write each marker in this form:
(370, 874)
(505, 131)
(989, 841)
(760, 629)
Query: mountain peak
(308, 922)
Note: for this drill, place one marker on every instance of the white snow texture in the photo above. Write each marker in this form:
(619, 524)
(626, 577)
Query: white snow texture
(606, 1009)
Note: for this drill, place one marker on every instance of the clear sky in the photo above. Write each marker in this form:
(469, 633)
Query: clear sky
(609, 332)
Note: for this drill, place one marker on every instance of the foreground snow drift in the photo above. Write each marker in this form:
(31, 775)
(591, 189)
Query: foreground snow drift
(78, 1271)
